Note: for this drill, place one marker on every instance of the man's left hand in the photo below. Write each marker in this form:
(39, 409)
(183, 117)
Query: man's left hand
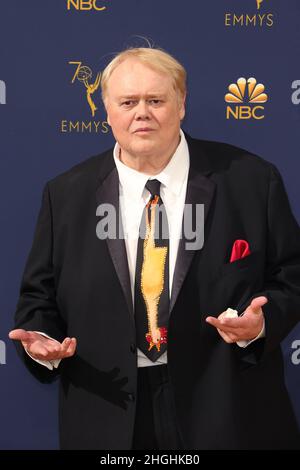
(242, 328)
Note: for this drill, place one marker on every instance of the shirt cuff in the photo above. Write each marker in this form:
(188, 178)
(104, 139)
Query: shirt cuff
(245, 343)
(49, 364)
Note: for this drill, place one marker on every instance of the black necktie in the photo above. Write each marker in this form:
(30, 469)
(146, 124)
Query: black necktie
(152, 277)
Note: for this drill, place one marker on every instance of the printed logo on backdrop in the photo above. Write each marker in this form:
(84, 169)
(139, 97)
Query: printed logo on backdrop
(296, 93)
(87, 86)
(256, 15)
(295, 358)
(245, 99)
(2, 352)
(2, 92)
(86, 5)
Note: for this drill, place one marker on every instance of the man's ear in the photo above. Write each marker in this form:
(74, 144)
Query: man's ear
(107, 116)
(182, 107)
(107, 113)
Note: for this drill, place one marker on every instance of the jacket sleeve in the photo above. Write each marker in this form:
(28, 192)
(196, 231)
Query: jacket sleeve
(37, 308)
(282, 272)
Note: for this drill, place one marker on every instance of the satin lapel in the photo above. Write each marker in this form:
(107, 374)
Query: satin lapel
(108, 193)
(200, 190)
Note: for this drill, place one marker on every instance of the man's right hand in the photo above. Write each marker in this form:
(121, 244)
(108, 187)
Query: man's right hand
(43, 348)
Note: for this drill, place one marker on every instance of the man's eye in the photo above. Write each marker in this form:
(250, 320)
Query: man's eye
(155, 102)
(128, 103)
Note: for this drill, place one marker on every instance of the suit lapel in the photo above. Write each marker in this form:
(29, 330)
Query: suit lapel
(200, 190)
(108, 193)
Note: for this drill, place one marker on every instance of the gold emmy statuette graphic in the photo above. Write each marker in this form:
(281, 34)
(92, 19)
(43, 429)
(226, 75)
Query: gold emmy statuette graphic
(258, 3)
(152, 280)
(255, 91)
(83, 73)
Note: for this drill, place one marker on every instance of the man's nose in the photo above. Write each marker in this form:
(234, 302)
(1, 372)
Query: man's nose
(142, 111)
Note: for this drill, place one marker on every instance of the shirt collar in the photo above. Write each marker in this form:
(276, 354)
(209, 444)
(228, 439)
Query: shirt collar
(172, 176)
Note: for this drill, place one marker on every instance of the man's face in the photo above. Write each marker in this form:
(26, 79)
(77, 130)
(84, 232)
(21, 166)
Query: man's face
(144, 110)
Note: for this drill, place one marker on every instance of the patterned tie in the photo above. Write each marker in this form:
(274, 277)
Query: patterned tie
(152, 277)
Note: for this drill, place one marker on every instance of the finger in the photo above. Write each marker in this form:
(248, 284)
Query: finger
(65, 344)
(222, 324)
(38, 351)
(53, 348)
(21, 335)
(58, 350)
(232, 322)
(227, 338)
(65, 348)
(212, 321)
(72, 347)
(257, 303)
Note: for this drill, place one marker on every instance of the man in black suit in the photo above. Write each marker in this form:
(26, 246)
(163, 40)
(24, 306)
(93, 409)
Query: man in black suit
(211, 375)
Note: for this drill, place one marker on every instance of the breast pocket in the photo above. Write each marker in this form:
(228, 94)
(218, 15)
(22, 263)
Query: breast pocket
(239, 280)
(242, 266)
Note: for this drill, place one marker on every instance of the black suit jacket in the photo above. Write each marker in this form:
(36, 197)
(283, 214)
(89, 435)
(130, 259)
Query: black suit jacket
(77, 285)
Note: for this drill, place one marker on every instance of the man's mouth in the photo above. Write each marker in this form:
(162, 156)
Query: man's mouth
(143, 129)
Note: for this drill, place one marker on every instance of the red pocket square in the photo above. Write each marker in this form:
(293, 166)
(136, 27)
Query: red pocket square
(240, 249)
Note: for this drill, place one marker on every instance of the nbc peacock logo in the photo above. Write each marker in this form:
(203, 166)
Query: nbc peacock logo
(246, 91)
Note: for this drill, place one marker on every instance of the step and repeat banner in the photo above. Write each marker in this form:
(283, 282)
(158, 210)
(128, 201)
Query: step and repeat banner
(242, 59)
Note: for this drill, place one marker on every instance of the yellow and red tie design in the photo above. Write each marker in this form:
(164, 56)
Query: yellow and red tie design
(152, 277)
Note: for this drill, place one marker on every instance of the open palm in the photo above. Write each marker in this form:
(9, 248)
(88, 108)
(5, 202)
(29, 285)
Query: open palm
(43, 348)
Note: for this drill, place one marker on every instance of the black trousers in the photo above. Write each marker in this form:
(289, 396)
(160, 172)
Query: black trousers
(155, 420)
